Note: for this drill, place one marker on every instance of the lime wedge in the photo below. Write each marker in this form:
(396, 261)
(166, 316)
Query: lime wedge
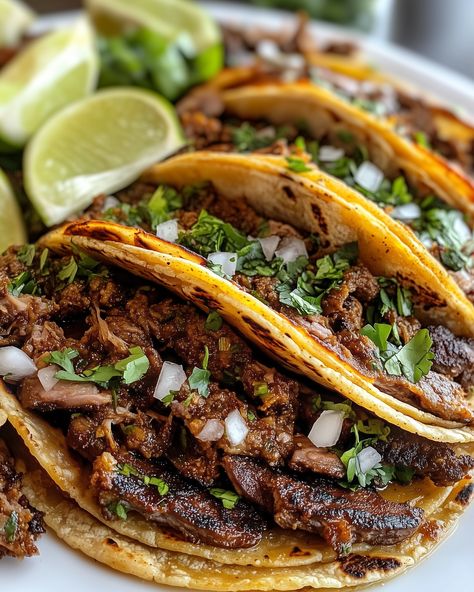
(97, 145)
(48, 74)
(12, 229)
(182, 21)
(15, 19)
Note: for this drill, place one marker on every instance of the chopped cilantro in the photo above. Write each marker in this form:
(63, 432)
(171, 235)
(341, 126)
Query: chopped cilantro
(297, 165)
(23, 284)
(119, 509)
(130, 369)
(251, 415)
(169, 398)
(43, 259)
(413, 360)
(127, 470)
(247, 138)
(199, 379)
(422, 139)
(11, 526)
(228, 498)
(260, 389)
(213, 321)
(345, 406)
(68, 272)
(383, 474)
(345, 136)
(26, 254)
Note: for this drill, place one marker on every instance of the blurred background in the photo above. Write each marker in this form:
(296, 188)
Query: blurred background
(439, 29)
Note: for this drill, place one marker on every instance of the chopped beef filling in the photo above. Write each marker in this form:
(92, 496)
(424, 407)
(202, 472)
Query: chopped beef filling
(20, 523)
(174, 459)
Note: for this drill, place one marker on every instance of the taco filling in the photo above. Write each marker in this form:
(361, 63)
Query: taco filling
(20, 523)
(341, 152)
(367, 321)
(178, 419)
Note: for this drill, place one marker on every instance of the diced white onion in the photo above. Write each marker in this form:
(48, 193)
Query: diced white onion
(290, 248)
(228, 261)
(110, 202)
(269, 246)
(268, 50)
(406, 212)
(171, 378)
(330, 153)
(168, 230)
(15, 364)
(327, 429)
(236, 429)
(369, 176)
(462, 230)
(212, 431)
(368, 458)
(47, 377)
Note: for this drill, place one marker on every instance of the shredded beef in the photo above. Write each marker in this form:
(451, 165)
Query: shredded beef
(307, 457)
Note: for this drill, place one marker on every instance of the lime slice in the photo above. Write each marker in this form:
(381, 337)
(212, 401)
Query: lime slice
(12, 229)
(48, 74)
(180, 21)
(15, 19)
(97, 145)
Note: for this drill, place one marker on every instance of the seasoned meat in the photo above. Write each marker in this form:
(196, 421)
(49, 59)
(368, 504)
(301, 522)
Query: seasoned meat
(186, 508)
(194, 460)
(20, 523)
(183, 329)
(454, 356)
(435, 460)
(63, 395)
(340, 516)
(361, 283)
(433, 393)
(83, 436)
(307, 457)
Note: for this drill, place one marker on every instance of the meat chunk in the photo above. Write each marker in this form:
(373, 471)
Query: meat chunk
(20, 523)
(434, 393)
(307, 457)
(426, 458)
(454, 356)
(185, 508)
(340, 516)
(64, 395)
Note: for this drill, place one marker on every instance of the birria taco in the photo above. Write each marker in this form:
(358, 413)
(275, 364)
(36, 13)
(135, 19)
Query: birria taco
(318, 282)
(187, 458)
(244, 110)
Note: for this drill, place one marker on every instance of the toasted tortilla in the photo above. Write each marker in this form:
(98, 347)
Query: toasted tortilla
(323, 111)
(450, 126)
(282, 561)
(309, 202)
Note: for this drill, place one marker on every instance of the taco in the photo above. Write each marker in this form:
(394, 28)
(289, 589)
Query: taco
(422, 119)
(162, 423)
(244, 110)
(319, 283)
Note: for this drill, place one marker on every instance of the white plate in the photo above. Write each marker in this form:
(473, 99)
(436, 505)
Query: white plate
(59, 569)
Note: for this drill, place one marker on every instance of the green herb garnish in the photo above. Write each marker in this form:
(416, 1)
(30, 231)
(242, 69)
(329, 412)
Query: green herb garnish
(199, 379)
(228, 498)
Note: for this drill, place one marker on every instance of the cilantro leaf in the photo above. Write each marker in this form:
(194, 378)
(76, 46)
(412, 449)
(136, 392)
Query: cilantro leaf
(228, 498)
(134, 367)
(11, 526)
(199, 379)
(213, 321)
(297, 165)
(26, 254)
(413, 360)
(63, 359)
(23, 283)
